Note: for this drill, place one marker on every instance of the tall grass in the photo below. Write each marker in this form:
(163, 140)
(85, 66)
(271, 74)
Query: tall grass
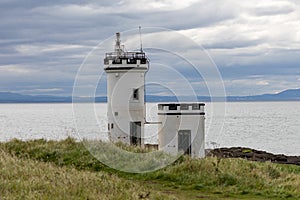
(229, 178)
(30, 179)
(233, 176)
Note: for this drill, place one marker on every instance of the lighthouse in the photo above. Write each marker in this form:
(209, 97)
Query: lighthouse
(126, 94)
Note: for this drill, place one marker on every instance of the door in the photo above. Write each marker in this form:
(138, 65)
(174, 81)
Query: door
(184, 141)
(135, 133)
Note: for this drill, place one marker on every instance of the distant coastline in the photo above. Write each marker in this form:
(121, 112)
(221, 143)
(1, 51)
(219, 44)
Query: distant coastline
(286, 95)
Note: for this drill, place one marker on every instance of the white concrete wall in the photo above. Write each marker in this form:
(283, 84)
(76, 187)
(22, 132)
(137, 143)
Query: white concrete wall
(120, 86)
(167, 137)
(172, 124)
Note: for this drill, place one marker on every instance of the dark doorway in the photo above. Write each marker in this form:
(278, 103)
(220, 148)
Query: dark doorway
(184, 141)
(135, 133)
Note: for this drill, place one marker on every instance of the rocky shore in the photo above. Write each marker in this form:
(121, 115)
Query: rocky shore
(253, 155)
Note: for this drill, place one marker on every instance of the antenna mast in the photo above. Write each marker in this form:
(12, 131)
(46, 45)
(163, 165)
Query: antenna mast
(118, 48)
(141, 38)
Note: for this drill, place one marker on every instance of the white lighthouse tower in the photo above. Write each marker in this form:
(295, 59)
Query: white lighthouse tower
(125, 94)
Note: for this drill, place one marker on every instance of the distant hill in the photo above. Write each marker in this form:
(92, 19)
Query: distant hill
(286, 95)
(9, 97)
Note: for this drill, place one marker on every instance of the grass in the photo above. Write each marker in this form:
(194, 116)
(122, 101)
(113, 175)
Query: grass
(31, 179)
(67, 170)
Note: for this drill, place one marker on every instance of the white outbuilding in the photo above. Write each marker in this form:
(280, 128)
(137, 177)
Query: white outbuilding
(182, 128)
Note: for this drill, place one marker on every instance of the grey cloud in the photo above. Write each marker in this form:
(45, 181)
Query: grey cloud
(235, 48)
(232, 44)
(274, 62)
(204, 13)
(273, 10)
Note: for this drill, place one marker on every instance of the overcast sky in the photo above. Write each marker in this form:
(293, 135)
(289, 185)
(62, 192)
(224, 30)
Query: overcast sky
(255, 44)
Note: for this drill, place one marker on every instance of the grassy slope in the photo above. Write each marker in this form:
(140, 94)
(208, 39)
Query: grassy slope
(30, 179)
(209, 178)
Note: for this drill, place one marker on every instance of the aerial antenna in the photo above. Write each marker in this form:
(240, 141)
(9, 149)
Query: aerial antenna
(141, 38)
(118, 48)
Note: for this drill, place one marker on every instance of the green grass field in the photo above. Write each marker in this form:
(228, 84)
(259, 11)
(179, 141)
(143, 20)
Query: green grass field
(42, 169)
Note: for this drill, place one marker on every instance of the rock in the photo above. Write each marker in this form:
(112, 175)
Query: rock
(253, 155)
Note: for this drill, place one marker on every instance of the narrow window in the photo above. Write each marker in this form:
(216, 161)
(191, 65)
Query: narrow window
(184, 107)
(135, 94)
(160, 107)
(116, 113)
(108, 126)
(172, 107)
(196, 107)
(112, 126)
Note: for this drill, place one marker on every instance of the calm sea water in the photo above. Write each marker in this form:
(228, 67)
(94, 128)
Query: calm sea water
(269, 126)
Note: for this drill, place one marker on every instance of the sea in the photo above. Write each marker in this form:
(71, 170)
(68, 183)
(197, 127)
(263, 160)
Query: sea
(270, 126)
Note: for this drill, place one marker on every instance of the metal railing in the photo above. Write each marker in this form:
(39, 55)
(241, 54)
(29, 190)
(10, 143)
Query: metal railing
(127, 55)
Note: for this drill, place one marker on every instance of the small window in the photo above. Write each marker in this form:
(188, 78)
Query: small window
(184, 107)
(116, 113)
(143, 61)
(108, 126)
(135, 94)
(172, 107)
(160, 107)
(131, 61)
(196, 107)
(112, 126)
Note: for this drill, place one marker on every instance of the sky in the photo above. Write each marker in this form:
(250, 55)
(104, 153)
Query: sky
(254, 44)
